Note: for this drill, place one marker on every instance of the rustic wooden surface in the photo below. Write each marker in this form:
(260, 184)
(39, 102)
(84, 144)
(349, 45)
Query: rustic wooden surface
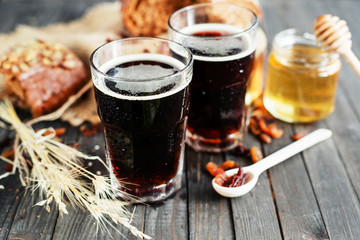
(313, 195)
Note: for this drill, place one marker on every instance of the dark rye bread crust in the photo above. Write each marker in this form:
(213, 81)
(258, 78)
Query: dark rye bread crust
(149, 17)
(41, 76)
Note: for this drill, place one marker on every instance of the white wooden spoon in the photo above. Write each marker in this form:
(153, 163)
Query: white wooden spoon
(256, 169)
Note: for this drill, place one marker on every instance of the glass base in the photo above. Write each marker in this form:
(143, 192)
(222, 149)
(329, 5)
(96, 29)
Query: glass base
(153, 194)
(201, 144)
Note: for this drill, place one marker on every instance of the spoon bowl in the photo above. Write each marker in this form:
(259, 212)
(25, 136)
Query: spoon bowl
(239, 191)
(256, 169)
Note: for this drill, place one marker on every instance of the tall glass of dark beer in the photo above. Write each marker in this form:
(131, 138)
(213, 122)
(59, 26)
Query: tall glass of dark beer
(222, 38)
(142, 93)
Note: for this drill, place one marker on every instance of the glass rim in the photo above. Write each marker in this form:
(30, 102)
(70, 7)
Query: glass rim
(119, 79)
(187, 8)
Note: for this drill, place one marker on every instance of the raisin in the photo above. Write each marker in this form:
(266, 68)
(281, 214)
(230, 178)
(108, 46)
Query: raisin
(298, 135)
(9, 153)
(263, 126)
(256, 154)
(228, 164)
(213, 169)
(241, 150)
(236, 180)
(91, 130)
(265, 138)
(221, 179)
(58, 131)
(274, 132)
(254, 126)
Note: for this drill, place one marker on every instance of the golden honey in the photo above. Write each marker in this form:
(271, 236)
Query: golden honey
(301, 78)
(256, 78)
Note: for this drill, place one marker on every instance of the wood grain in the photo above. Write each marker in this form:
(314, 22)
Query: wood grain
(313, 195)
(299, 214)
(9, 201)
(254, 214)
(209, 214)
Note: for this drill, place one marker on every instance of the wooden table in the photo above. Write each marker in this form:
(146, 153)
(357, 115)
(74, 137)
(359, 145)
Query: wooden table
(314, 195)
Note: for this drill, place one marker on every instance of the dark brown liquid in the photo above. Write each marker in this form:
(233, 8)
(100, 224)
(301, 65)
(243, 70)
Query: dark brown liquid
(143, 137)
(217, 94)
(210, 34)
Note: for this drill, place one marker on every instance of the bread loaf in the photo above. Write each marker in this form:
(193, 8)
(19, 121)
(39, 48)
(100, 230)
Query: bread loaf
(41, 76)
(150, 17)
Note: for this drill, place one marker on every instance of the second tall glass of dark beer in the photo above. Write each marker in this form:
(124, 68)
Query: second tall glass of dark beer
(222, 38)
(142, 94)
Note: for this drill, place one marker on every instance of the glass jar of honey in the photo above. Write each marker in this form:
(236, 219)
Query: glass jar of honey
(301, 78)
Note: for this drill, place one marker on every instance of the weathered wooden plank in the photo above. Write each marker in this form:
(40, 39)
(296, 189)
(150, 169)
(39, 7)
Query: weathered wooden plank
(209, 213)
(80, 225)
(346, 127)
(299, 214)
(11, 194)
(348, 133)
(254, 213)
(9, 201)
(16, 214)
(31, 221)
(34, 221)
(170, 219)
(336, 197)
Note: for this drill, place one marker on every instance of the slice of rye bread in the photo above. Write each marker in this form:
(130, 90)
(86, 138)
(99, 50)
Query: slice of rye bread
(41, 76)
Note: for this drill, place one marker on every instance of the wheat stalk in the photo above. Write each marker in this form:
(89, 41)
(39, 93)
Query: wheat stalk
(57, 172)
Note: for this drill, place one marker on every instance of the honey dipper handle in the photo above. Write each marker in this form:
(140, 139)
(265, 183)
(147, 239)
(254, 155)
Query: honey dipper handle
(353, 61)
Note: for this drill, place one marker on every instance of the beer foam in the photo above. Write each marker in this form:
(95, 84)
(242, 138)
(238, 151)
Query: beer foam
(143, 80)
(212, 46)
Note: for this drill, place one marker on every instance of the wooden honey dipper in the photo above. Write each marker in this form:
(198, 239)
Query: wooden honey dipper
(334, 35)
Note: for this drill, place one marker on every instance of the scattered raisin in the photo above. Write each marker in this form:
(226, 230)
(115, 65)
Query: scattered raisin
(274, 132)
(9, 153)
(265, 138)
(90, 130)
(260, 123)
(241, 150)
(8, 167)
(75, 145)
(254, 126)
(221, 179)
(228, 164)
(58, 131)
(263, 126)
(298, 135)
(214, 169)
(256, 154)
